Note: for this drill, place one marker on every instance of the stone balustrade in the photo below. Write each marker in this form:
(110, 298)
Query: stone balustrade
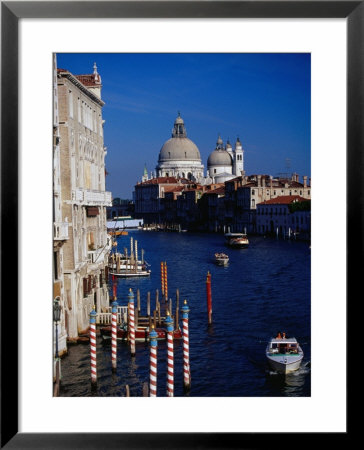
(105, 318)
(92, 197)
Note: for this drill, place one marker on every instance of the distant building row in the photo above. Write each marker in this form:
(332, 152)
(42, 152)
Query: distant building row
(257, 204)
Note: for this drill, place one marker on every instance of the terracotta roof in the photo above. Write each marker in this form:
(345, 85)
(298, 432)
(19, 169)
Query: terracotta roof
(173, 188)
(219, 190)
(284, 200)
(88, 80)
(161, 180)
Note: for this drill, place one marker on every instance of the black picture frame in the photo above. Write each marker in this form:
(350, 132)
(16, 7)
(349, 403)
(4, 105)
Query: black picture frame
(11, 12)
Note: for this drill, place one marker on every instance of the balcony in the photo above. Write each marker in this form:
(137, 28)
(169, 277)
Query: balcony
(98, 256)
(60, 231)
(91, 197)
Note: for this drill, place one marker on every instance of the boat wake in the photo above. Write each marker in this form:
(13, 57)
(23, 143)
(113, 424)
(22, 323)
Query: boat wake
(303, 370)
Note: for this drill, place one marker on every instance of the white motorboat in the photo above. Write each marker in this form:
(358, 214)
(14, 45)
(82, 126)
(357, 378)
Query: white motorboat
(221, 259)
(284, 354)
(238, 240)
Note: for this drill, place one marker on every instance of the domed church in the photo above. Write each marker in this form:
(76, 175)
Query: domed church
(179, 156)
(225, 163)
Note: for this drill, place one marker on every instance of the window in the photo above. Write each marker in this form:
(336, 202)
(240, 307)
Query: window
(55, 265)
(79, 109)
(70, 103)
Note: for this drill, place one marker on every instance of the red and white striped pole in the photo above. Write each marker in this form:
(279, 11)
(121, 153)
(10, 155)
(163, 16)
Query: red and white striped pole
(186, 350)
(114, 314)
(162, 278)
(165, 282)
(209, 301)
(170, 362)
(153, 362)
(93, 315)
(131, 323)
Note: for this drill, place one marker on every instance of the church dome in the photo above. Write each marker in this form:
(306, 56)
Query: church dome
(179, 147)
(219, 158)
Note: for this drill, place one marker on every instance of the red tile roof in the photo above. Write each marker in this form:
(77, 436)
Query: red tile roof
(88, 80)
(173, 188)
(284, 200)
(161, 180)
(218, 191)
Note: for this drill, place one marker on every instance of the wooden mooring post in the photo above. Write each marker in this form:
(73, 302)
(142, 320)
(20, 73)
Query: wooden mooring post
(148, 304)
(177, 312)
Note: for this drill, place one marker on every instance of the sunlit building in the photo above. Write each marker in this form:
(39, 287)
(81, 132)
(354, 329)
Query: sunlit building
(83, 199)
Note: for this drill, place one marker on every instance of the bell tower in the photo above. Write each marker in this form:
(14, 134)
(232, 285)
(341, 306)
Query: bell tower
(238, 166)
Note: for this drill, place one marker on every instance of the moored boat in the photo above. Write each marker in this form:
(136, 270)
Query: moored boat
(130, 274)
(221, 259)
(237, 240)
(284, 354)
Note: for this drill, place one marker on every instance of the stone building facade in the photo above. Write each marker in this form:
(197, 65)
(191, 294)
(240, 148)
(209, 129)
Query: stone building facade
(288, 216)
(60, 226)
(84, 199)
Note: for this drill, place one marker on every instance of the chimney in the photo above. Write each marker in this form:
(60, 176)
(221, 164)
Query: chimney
(271, 182)
(263, 181)
(305, 181)
(259, 180)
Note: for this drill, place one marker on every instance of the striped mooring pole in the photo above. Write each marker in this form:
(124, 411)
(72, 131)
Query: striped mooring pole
(114, 314)
(93, 315)
(153, 362)
(131, 323)
(186, 350)
(209, 301)
(165, 282)
(170, 362)
(162, 278)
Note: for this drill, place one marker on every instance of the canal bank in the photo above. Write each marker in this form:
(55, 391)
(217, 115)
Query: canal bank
(264, 289)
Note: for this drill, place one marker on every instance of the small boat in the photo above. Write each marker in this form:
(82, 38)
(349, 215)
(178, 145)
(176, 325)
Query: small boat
(118, 233)
(284, 354)
(237, 240)
(221, 259)
(141, 333)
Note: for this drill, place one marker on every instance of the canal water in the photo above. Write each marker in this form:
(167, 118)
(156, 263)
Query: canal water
(264, 289)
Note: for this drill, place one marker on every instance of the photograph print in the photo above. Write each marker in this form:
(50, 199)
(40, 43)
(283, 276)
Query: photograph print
(182, 224)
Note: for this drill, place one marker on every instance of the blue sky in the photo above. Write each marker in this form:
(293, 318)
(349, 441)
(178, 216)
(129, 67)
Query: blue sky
(265, 99)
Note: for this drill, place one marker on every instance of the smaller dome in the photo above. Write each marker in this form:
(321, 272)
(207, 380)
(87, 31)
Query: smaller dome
(219, 158)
